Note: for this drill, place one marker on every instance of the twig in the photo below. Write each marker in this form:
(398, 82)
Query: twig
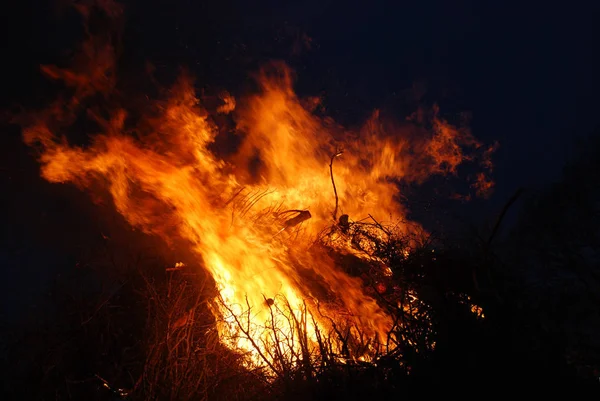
(379, 225)
(101, 305)
(250, 202)
(249, 336)
(336, 154)
(117, 391)
(503, 213)
(239, 191)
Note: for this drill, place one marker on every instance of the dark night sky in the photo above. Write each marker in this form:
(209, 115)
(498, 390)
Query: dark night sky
(523, 69)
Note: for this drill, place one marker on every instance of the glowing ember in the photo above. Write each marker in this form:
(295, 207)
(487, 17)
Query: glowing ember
(252, 218)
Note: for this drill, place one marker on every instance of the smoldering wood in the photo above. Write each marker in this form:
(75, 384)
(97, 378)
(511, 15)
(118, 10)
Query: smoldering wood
(344, 223)
(302, 216)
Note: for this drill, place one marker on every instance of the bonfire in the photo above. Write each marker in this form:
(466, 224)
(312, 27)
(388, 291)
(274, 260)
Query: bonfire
(295, 225)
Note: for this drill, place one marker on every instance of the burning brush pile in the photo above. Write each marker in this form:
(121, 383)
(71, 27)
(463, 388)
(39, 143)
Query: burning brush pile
(299, 225)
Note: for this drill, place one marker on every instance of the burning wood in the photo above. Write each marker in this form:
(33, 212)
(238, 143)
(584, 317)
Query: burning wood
(344, 223)
(299, 218)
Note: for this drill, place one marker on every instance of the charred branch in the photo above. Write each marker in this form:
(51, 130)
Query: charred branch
(336, 154)
(344, 223)
(302, 216)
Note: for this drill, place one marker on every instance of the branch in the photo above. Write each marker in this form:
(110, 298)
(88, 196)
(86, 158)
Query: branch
(503, 213)
(380, 226)
(101, 305)
(336, 154)
(248, 336)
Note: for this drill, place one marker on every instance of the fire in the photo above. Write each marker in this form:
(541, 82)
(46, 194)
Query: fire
(253, 217)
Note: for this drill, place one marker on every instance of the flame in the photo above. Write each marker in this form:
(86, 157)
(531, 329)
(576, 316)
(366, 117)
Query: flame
(252, 218)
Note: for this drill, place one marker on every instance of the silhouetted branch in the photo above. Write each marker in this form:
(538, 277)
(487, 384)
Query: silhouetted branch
(510, 202)
(336, 154)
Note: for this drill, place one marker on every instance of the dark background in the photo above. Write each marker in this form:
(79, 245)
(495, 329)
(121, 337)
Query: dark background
(522, 69)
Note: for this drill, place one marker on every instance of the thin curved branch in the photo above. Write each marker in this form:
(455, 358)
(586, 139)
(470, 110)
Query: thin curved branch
(336, 154)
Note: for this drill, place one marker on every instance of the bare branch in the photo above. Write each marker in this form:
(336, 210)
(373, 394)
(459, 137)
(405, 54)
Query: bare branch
(336, 154)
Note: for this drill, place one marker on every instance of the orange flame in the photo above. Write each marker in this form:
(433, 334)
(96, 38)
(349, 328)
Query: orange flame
(251, 217)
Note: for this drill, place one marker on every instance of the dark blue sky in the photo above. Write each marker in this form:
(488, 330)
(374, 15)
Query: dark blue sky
(523, 69)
